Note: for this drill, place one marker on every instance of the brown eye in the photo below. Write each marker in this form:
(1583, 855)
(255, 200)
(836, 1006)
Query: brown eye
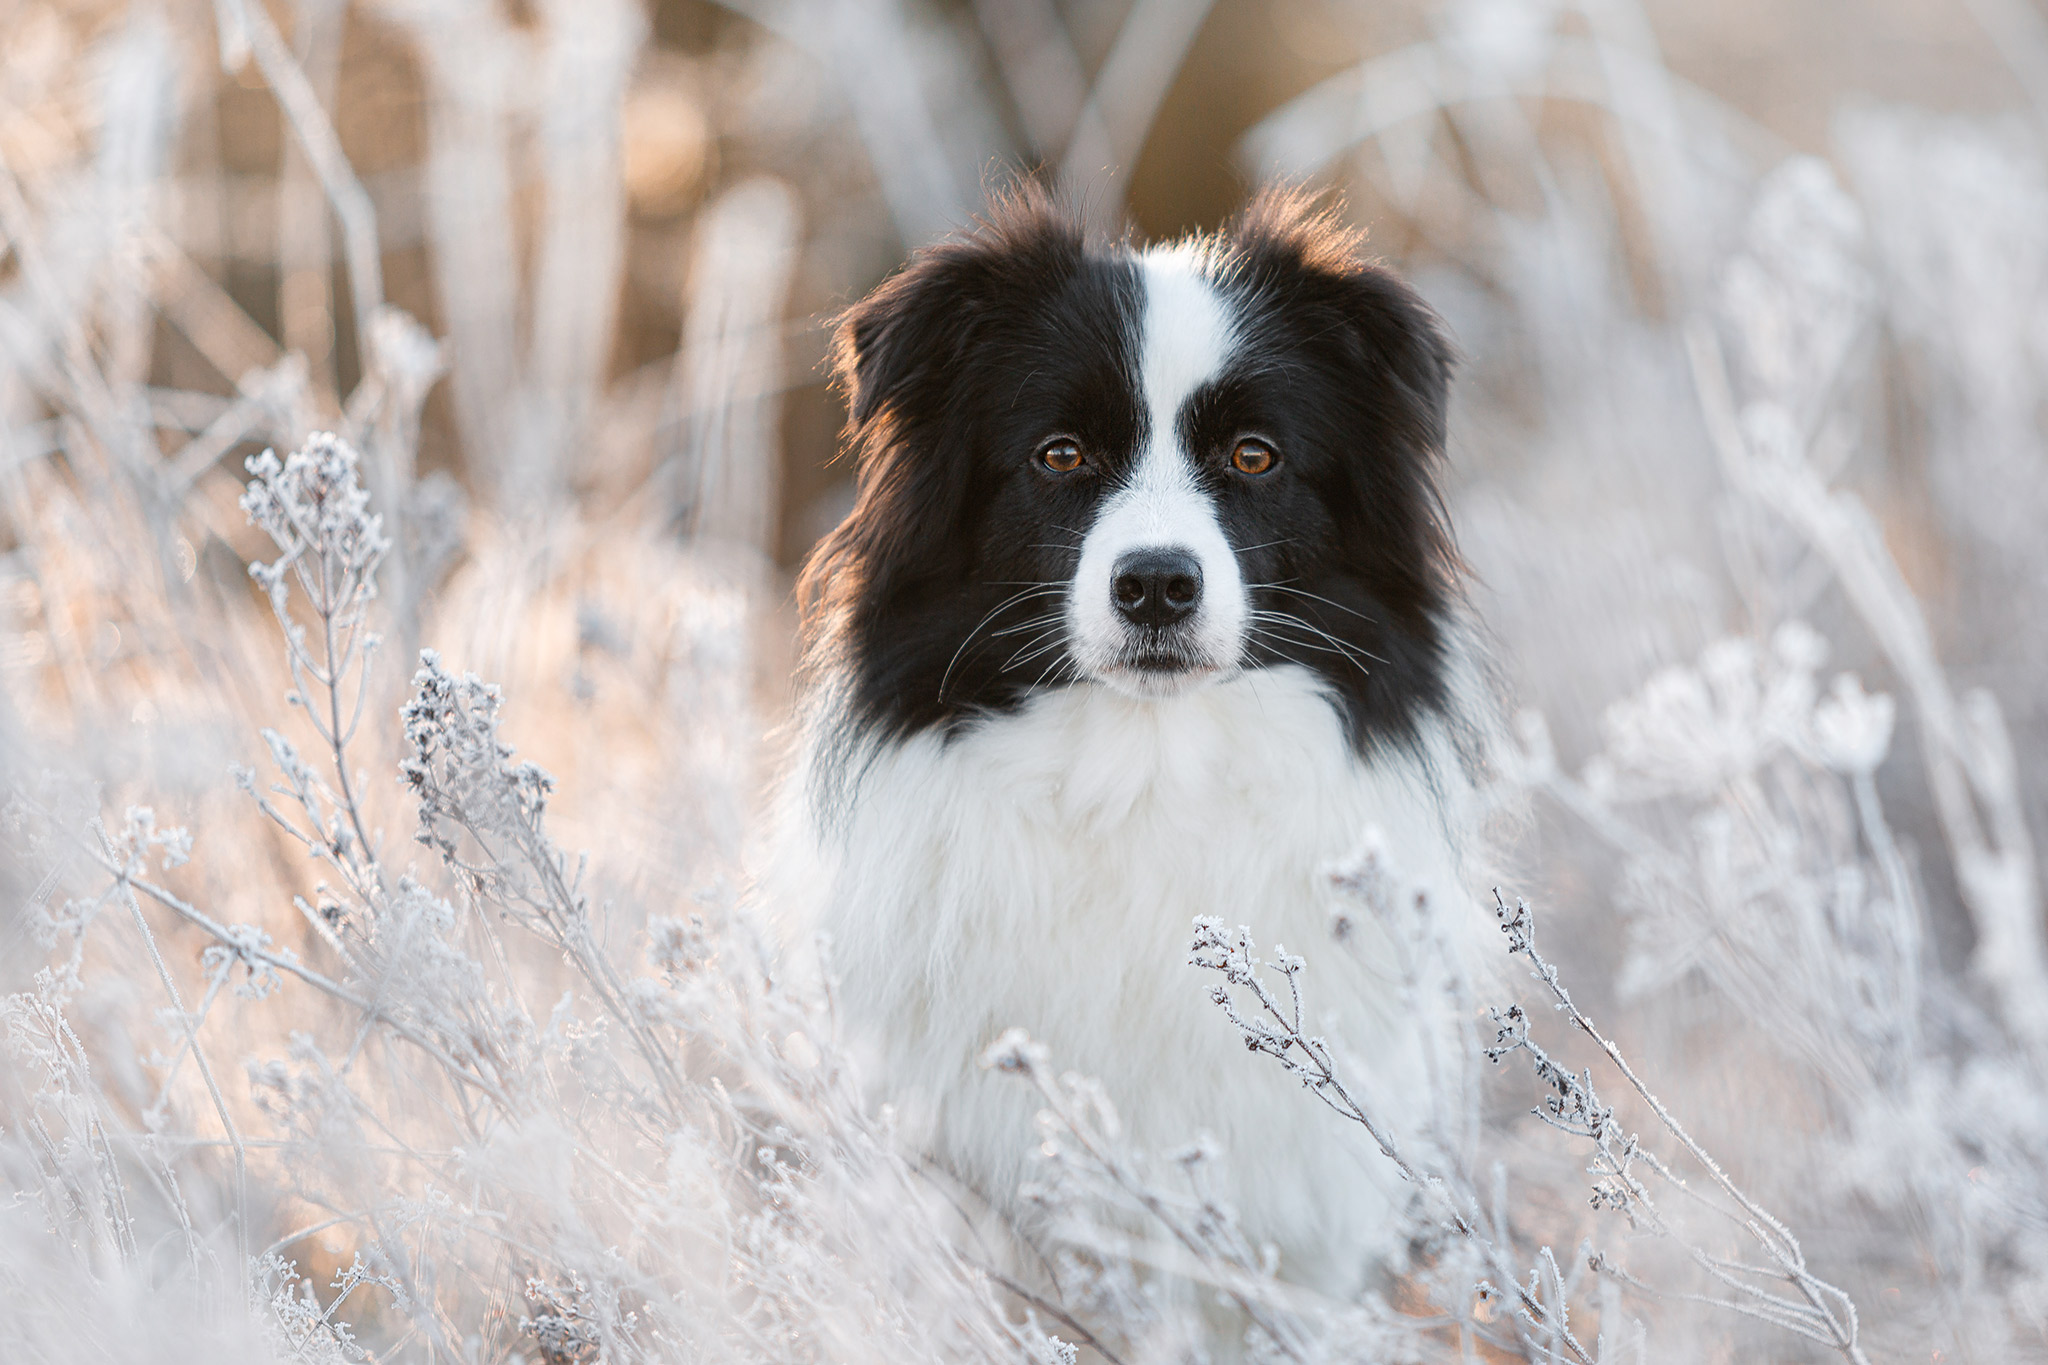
(1253, 457)
(1062, 456)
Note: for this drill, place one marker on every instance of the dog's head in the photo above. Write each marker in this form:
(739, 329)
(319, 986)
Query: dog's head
(1145, 470)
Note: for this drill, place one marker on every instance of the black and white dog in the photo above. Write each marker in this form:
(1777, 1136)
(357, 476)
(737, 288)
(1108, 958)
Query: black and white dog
(1146, 610)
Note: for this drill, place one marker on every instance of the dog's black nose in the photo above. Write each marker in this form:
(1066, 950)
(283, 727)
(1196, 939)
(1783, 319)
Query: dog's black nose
(1156, 587)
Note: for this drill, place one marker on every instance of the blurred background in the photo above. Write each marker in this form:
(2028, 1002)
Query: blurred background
(1753, 304)
(527, 170)
(627, 228)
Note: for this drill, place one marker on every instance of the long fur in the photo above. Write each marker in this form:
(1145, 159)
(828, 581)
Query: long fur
(1012, 795)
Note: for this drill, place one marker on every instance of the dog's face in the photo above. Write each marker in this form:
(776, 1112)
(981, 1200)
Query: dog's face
(1145, 471)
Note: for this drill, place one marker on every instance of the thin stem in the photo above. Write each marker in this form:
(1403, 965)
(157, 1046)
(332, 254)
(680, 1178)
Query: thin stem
(1775, 1238)
(191, 1028)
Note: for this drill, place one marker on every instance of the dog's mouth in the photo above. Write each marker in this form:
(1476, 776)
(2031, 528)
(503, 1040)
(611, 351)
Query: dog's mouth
(1156, 670)
(1164, 662)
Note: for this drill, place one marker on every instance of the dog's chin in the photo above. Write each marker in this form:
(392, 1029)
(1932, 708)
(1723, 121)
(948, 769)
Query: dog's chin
(1159, 674)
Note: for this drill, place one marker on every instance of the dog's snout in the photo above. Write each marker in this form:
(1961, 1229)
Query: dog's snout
(1156, 588)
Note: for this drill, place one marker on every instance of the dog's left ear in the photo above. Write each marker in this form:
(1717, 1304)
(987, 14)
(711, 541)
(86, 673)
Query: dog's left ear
(1286, 242)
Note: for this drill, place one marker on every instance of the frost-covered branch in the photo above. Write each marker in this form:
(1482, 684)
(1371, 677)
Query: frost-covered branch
(1826, 1315)
(1081, 1128)
(315, 509)
(1274, 1027)
(1971, 768)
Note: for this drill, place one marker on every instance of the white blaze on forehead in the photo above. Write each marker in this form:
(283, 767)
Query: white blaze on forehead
(1185, 340)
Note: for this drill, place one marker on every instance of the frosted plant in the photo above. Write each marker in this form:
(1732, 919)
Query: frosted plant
(1273, 1025)
(1773, 456)
(1721, 787)
(1114, 1203)
(1091, 1167)
(1623, 1168)
(1481, 1266)
(298, 1323)
(314, 508)
(739, 1200)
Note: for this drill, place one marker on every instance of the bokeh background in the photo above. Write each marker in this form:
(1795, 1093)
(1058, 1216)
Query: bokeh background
(1753, 306)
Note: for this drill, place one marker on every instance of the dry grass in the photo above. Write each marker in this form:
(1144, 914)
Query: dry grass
(1731, 423)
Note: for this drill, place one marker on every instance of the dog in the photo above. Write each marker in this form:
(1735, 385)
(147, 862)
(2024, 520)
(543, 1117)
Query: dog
(1146, 609)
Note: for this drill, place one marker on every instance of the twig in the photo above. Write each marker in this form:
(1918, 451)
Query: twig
(249, 20)
(1213, 1239)
(1277, 1032)
(1044, 1305)
(1829, 1315)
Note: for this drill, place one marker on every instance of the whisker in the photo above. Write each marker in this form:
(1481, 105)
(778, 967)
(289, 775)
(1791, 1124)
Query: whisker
(1033, 648)
(1300, 623)
(1078, 536)
(1034, 590)
(1354, 653)
(1051, 672)
(1277, 639)
(1283, 648)
(1042, 619)
(1317, 597)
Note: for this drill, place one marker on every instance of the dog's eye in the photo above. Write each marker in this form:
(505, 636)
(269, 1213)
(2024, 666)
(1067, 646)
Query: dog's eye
(1062, 456)
(1253, 457)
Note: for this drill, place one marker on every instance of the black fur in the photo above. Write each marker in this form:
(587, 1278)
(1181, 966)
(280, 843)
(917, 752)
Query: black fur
(956, 370)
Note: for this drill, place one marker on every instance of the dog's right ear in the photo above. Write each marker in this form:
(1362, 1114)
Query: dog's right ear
(896, 350)
(899, 356)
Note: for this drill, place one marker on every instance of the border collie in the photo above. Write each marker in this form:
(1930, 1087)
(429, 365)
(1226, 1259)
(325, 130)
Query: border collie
(1147, 609)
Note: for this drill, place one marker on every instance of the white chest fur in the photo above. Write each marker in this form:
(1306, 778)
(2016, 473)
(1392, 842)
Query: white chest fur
(1043, 871)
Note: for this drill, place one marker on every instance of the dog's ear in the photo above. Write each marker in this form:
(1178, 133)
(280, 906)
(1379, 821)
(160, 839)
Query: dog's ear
(900, 356)
(1295, 260)
(1288, 243)
(896, 349)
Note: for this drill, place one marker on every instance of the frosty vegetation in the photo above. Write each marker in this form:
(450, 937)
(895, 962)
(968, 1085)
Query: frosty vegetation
(337, 1027)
